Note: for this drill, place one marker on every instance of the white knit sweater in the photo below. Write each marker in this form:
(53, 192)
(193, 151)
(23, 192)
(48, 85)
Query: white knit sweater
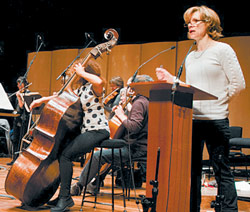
(217, 71)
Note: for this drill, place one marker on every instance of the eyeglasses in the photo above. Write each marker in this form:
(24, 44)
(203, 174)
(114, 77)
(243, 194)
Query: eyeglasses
(194, 22)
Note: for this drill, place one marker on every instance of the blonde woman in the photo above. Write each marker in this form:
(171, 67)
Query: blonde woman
(212, 67)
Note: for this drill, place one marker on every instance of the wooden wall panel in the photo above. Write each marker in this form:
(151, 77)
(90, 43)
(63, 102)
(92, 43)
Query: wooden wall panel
(40, 72)
(239, 113)
(166, 59)
(239, 106)
(123, 61)
(60, 60)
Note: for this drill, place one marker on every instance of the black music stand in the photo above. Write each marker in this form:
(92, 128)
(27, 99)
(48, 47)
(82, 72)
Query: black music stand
(29, 98)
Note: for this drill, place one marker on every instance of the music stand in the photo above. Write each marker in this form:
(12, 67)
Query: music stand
(29, 98)
(5, 105)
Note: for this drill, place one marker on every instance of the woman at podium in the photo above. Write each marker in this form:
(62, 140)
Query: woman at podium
(214, 68)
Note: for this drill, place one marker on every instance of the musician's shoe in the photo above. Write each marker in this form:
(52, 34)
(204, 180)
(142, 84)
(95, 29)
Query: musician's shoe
(11, 163)
(53, 202)
(92, 189)
(76, 190)
(64, 203)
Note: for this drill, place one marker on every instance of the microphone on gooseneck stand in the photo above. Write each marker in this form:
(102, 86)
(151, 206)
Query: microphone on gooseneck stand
(136, 72)
(87, 36)
(177, 79)
(40, 38)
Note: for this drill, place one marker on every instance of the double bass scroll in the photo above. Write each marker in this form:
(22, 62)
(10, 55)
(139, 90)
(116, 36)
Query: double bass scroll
(110, 35)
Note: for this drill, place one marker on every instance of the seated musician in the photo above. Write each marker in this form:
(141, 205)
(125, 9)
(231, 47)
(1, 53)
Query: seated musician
(94, 128)
(136, 132)
(20, 124)
(123, 96)
(113, 99)
(5, 126)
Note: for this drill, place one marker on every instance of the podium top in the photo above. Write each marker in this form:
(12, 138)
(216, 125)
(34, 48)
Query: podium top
(144, 88)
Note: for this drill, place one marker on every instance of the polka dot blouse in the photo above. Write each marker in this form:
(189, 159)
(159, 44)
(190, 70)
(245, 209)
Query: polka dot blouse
(93, 111)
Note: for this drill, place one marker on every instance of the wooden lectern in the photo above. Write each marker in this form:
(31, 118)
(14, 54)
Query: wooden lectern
(170, 128)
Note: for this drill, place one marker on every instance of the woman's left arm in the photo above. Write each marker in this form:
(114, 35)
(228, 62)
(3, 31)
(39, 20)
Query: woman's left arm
(233, 71)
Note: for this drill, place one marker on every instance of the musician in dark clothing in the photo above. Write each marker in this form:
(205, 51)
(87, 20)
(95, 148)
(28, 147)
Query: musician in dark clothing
(20, 124)
(136, 132)
(116, 84)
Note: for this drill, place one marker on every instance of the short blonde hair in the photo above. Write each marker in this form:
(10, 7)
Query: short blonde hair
(210, 17)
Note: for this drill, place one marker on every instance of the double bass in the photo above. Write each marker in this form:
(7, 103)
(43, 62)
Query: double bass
(34, 177)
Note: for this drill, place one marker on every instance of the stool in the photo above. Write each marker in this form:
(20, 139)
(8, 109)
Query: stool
(109, 144)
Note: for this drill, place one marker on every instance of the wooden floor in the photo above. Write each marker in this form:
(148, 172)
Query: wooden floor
(8, 204)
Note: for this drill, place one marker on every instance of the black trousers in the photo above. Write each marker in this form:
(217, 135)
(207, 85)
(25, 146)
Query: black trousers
(82, 144)
(20, 127)
(215, 133)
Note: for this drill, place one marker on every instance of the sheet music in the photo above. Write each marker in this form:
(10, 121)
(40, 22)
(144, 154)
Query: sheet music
(5, 104)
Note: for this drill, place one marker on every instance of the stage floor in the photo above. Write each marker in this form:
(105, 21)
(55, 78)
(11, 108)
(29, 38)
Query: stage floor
(12, 205)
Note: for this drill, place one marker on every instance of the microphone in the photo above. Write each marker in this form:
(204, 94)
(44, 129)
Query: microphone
(176, 82)
(40, 38)
(87, 36)
(136, 72)
(181, 67)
